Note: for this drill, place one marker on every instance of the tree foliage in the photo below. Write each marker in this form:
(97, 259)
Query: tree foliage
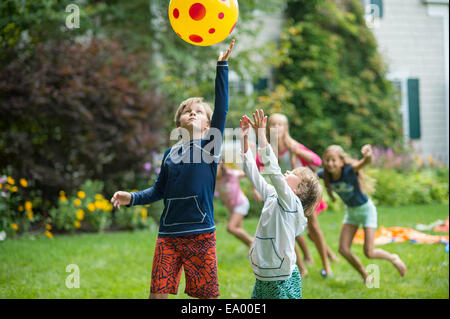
(330, 79)
(72, 112)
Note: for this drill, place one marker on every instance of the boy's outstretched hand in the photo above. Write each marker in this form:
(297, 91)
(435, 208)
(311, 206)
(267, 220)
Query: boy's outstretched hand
(260, 120)
(224, 57)
(244, 132)
(259, 125)
(120, 198)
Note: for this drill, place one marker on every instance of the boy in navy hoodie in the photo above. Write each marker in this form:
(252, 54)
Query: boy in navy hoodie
(186, 183)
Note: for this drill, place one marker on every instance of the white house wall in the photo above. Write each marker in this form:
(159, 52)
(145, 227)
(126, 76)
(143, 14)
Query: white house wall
(412, 43)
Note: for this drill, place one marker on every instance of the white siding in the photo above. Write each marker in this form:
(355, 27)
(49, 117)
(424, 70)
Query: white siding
(412, 44)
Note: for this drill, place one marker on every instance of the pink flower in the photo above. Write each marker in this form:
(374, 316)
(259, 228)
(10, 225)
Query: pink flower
(147, 166)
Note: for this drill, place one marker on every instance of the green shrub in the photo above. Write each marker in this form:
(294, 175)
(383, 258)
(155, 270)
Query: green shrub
(330, 79)
(87, 207)
(64, 216)
(136, 217)
(417, 187)
(16, 211)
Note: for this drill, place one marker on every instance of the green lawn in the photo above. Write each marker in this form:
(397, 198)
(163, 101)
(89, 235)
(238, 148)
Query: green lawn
(117, 265)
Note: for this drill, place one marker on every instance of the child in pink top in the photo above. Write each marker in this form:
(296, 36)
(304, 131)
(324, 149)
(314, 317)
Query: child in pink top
(229, 190)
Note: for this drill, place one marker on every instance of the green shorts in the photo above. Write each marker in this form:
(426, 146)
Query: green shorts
(365, 215)
(280, 289)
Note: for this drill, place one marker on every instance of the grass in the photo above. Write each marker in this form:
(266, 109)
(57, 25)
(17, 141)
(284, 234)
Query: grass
(118, 265)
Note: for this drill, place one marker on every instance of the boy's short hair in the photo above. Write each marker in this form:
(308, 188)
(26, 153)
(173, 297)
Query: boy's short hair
(309, 189)
(189, 102)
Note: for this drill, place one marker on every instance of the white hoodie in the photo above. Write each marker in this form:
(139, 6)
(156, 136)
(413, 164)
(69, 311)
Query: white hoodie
(272, 255)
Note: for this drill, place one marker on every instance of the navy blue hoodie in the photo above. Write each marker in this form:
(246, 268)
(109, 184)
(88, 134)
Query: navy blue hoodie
(187, 178)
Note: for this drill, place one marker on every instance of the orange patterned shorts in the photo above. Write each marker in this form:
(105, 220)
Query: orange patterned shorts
(196, 254)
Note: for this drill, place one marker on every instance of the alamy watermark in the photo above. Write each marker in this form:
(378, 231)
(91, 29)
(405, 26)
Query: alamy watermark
(373, 280)
(73, 280)
(73, 19)
(372, 15)
(210, 148)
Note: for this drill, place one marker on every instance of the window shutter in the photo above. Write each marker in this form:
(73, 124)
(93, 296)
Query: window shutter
(378, 3)
(261, 84)
(414, 108)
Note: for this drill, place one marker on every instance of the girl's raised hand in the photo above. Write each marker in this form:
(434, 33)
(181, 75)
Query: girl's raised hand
(366, 150)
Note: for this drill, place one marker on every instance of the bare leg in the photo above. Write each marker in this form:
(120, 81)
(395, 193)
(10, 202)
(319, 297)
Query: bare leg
(377, 253)
(318, 239)
(304, 247)
(348, 231)
(331, 255)
(235, 227)
(300, 263)
(158, 296)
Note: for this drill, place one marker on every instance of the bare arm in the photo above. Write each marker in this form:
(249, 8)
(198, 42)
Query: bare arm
(366, 150)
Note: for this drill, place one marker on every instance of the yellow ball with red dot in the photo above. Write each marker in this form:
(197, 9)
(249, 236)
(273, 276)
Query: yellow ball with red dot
(203, 22)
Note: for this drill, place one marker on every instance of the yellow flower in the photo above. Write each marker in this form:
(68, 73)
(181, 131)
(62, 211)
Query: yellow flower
(77, 202)
(144, 213)
(91, 207)
(48, 226)
(14, 226)
(14, 189)
(62, 193)
(11, 180)
(98, 204)
(23, 182)
(28, 205)
(63, 198)
(30, 214)
(108, 207)
(77, 224)
(20, 208)
(48, 234)
(98, 196)
(1, 186)
(80, 214)
(81, 194)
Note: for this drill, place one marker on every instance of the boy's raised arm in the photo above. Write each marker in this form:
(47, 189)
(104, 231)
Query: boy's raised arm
(286, 197)
(250, 168)
(221, 91)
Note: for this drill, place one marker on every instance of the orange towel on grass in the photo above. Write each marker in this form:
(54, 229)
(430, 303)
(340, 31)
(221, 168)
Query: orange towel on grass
(399, 234)
(442, 228)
